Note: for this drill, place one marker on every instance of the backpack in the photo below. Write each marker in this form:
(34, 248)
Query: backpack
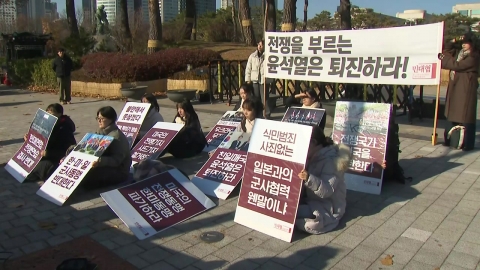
(456, 136)
(393, 170)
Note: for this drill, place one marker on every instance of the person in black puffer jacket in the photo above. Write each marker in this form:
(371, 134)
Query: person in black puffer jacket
(60, 140)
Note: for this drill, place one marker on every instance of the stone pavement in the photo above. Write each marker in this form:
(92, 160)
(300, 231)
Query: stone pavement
(429, 224)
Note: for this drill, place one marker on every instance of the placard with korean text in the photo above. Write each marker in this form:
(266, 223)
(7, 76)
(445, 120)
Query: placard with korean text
(131, 118)
(271, 188)
(224, 169)
(364, 127)
(30, 153)
(395, 56)
(229, 122)
(157, 203)
(66, 178)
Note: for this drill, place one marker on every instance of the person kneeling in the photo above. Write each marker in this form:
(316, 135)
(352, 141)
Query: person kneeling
(323, 200)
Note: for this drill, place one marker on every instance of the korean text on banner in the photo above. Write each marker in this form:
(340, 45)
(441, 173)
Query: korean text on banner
(229, 122)
(74, 168)
(224, 169)
(364, 128)
(395, 56)
(155, 141)
(131, 119)
(304, 116)
(30, 153)
(157, 203)
(271, 187)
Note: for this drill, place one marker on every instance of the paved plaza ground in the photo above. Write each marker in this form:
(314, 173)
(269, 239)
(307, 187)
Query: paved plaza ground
(432, 223)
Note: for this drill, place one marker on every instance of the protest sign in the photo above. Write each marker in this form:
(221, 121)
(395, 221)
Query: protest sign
(409, 56)
(271, 187)
(73, 168)
(155, 141)
(224, 169)
(157, 203)
(364, 127)
(229, 122)
(304, 116)
(30, 153)
(131, 119)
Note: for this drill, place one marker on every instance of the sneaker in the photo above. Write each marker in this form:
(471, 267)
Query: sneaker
(69, 102)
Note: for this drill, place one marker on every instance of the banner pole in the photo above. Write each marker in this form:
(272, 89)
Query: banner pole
(265, 97)
(435, 120)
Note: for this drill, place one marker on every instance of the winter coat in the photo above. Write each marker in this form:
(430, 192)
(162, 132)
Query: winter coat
(117, 154)
(325, 189)
(254, 69)
(152, 118)
(62, 66)
(461, 99)
(60, 139)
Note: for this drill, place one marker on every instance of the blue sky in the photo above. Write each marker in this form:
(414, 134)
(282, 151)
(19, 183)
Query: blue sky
(389, 7)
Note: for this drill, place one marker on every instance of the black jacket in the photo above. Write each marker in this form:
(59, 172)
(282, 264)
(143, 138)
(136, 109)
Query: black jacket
(61, 138)
(62, 66)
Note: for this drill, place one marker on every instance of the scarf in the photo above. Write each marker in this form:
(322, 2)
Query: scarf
(461, 55)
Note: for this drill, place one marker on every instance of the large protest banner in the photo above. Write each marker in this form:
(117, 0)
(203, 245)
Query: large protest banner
(395, 56)
(131, 119)
(157, 203)
(73, 168)
(224, 169)
(155, 141)
(271, 187)
(229, 122)
(304, 116)
(364, 127)
(30, 153)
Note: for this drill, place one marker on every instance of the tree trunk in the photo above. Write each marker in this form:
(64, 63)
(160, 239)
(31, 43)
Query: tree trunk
(124, 26)
(345, 17)
(190, 12)
(244, 11)
(305, 18)
(71, 17)
(194, 29)
(234, 22)
(137, 14)
(271, 16)
(289, 15)
(155, 32)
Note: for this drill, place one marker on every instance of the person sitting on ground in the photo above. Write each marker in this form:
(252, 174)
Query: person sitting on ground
(113, 167)
(60, 140)
(246, 92)
(153, 116)
(323, 200)
(310, 99)
(250, 113)
(190, 140)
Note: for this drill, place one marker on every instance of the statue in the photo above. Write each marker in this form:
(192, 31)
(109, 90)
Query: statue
(102, 22)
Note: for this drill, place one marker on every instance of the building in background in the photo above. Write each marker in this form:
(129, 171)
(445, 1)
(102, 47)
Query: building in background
(252, 3)
(470, 10)
(36, 9)
(89, 7)
(413, 16)
(204, 6)
(51, 10)
(8, 13)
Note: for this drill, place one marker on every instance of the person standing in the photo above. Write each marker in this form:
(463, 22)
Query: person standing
(62, 65)
(461, 99)
(254, 75)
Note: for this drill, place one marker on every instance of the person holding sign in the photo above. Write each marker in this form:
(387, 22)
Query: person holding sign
(254, 75)
(246, 92)
(190, 140)
(462, 58)
(323, 200)
(153, 116)
(113, 166)
(60, 140)
(310, 99)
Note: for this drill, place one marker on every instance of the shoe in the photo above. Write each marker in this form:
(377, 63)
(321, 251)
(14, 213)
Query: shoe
(467, 149)
(69, 102)
(63, 102)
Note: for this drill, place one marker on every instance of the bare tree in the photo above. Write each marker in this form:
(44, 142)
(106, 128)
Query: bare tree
(155, 32)
(190, 12)
(71, 17)
(248, 34)
(124, 26)
(271, 16)
(289, 15)
(345, 16)
(305, 17)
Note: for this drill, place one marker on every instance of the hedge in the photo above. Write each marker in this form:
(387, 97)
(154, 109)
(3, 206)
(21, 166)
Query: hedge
(117, 67)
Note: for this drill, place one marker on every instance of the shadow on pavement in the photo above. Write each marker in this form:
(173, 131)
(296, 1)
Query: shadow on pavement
(18, 103)
(11, 141)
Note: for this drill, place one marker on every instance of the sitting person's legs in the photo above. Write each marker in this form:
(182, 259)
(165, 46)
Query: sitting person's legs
(100, 177)
(42, 171)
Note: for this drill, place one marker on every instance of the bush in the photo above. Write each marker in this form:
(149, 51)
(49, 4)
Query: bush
(119, 68)
(36, 72)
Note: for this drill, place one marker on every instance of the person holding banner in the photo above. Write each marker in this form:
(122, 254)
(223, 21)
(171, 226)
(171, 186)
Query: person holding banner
(190, 140)
(246, 92)
(323, 200)
(113, 166)
(60, 140)
(254, 75)
(310, 99)
(462, 58)
(153, 116)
